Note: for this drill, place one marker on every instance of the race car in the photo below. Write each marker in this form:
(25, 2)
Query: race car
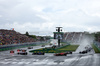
(22, 52)
(60, 54)
(68, 52)
(30, 47)
(19, 50)
(89, 49)
(11, 51)
(83, 52)
(43, 46)
(38, 53)
(50, 44)
(54, 46)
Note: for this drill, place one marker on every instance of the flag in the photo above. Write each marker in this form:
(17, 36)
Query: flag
(12, 28)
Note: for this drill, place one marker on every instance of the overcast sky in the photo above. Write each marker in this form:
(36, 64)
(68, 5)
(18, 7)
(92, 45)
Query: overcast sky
(42, 16)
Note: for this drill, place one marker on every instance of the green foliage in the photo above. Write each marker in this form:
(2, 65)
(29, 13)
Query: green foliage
(32, 36)
(59, 50)
(97, 35)
(27, 34)
(42, 39)
(70, 47)
(95, 49)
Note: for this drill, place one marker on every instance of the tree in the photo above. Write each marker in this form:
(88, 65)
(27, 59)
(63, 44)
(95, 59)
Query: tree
(42, 38)
(27, 33)
(32, 36)
(97, 35)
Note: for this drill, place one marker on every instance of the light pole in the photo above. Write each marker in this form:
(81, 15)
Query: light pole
(58, 29)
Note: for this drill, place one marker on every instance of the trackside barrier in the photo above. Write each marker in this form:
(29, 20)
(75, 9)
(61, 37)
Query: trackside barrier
(97, 47)
(14, 46)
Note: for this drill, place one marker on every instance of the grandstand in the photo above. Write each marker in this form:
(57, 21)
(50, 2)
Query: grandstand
(13, 37)
(73, 37)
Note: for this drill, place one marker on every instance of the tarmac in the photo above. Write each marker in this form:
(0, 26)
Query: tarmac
(75, 59)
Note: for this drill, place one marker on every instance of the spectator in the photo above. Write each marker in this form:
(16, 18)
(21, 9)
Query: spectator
(13, 37)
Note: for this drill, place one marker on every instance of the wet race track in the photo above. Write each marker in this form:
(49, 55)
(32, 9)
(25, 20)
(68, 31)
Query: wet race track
(75, 59)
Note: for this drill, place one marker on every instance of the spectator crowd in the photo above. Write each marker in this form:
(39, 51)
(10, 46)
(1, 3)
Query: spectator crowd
(73, 37)
(13, 37)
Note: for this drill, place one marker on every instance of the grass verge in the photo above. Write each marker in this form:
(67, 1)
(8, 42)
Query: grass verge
(59, 50)
(69, 48)
(95, 49)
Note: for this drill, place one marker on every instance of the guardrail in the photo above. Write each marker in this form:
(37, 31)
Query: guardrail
(21, 45)
(96, 43)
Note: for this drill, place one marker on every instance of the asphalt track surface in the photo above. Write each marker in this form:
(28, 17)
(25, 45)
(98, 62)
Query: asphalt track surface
(75, 59)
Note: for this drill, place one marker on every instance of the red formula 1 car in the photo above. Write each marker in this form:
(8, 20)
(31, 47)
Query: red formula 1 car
(60, 54)
(18, 50)
(11, 51)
